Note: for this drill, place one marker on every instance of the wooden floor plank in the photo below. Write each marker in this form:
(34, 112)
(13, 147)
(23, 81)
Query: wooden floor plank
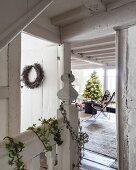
(89, 165)
(98, 158)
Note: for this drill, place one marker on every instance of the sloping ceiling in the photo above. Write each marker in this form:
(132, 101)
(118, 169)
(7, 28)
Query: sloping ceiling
(15, 15)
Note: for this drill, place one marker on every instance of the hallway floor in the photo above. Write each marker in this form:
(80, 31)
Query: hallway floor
(95, 161)
(101, 150)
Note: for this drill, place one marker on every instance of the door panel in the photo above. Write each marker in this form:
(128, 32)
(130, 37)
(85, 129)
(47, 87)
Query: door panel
(41, 101)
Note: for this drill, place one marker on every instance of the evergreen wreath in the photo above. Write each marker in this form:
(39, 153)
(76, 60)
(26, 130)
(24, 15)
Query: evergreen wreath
(39, 78)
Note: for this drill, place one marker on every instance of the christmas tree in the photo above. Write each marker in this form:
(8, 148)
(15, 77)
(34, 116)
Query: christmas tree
(93, 89)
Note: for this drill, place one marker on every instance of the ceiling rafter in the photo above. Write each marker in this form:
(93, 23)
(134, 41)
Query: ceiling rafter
(95, 48)
(118, 4)
(94, 45)
(70, 16)
(102, 58)
(102, 55)
(91, 61)
(84, 11)
(94, 42)
(99, 52)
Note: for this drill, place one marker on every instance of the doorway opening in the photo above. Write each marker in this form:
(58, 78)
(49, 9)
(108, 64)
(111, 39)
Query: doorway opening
(96, 55)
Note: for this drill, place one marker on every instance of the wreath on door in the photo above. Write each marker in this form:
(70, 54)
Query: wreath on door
(39, 76)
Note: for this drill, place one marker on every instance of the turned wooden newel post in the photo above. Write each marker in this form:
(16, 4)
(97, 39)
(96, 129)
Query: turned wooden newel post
(67, 153)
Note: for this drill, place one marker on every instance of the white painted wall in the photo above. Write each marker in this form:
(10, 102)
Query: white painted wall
(42, 101)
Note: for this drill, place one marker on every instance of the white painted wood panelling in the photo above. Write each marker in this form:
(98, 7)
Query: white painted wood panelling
(4, 67)
(50, 88)
(10, 88)
(41, 101)
(14, 86)
(31, 99)
(4, 92)
(3, 118)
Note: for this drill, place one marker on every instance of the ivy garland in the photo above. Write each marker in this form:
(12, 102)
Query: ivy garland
(14, 149)
(40, 76)
(49, 127)
(81, 137)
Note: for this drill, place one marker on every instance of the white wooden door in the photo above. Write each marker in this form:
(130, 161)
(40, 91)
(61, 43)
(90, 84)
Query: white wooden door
(41, 101)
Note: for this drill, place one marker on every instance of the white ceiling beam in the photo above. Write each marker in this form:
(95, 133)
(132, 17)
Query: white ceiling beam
(80, 64)
(102, 58)
(118, 4)
(114, 61)
(79, 57)
(42, 32)
(94, 45)
(104, 55)
(100, 55)
(95, 42)
(71, 16)
(100, 25)
(86, 67)
(95, 48)
(94, 7)
(99, 52)
(106, 59)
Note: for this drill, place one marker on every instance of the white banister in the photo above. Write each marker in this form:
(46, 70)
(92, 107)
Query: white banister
(67, 153)
(31, 152)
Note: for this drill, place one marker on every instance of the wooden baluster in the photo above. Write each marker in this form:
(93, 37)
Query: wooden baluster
(33, 164)
(29, 165)
(51, 157)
